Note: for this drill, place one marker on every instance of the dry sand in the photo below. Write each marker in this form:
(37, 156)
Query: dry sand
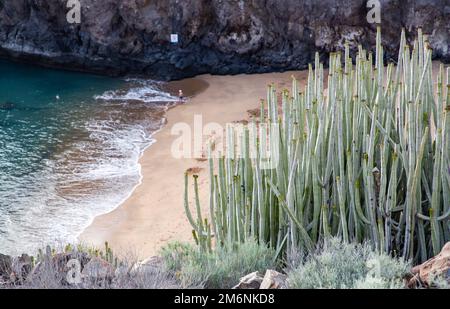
(154, 214)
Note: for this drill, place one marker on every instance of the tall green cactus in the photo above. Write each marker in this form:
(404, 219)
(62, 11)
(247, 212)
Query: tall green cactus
(366, 158)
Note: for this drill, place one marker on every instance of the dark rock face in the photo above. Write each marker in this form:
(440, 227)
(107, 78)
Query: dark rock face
(216, 36)
(5, 267)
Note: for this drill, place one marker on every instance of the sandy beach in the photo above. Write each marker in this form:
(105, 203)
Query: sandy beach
(154, 214)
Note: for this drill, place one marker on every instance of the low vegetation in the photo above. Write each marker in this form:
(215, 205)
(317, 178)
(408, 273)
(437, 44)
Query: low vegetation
(337, 265)
(221, 268)
(82, 267)
(333, 264)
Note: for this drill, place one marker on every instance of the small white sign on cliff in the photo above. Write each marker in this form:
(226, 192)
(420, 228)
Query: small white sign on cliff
(74, 14)
(174, 38)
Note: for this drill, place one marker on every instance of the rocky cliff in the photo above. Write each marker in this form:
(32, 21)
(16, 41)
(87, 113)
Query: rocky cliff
(215, 36)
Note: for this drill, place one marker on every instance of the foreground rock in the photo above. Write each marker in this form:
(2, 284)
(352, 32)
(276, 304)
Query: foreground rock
(250, 282)
(215, 36)
(15, 270)
(76, 269)
(54, 268)
(437, 267)
(5, 267)
(21, 268)
(98, 271)
(272, 280)
(150, 265)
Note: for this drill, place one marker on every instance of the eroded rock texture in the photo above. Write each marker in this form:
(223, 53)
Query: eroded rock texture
(216, 36)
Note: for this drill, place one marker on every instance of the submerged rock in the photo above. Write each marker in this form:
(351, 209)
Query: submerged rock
(215, 36)
(7, 106)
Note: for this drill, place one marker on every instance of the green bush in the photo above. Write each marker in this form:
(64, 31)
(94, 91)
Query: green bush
(337, 265)
(175, 254)
(221, 268)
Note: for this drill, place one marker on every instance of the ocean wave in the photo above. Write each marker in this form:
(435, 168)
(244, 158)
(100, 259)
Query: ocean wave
(144, 91)
(92, 173)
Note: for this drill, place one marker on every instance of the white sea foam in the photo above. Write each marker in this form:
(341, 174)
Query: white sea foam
(144, 91)
(94, 175)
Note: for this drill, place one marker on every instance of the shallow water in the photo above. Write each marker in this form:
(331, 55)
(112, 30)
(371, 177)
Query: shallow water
(69, 150)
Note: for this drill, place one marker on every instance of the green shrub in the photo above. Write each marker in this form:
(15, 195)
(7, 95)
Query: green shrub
(337, 265)
(175, 254)
(220, 269)
(384, 272)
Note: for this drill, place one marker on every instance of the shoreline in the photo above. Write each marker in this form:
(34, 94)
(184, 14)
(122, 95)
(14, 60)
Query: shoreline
(153, 213)
(170, 88)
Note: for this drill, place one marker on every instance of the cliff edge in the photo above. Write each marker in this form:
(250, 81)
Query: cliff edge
(215, 36)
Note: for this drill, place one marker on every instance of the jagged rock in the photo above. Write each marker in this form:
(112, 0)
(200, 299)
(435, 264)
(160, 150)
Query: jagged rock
(152, 265)
(98, 270)
(15, 269)
(439, 266)
(216, 36)
(5, 266)
(57, 266)
(273, 280)
(21, 268)
(249, 282)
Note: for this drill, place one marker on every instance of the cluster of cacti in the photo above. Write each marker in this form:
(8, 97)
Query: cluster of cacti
(107, 255)
(365, 158)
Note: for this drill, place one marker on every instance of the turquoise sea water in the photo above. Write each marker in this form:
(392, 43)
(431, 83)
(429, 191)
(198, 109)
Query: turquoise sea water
(69, 150)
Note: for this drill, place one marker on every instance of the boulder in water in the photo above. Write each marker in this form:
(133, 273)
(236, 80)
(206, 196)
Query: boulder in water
(7, 106)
